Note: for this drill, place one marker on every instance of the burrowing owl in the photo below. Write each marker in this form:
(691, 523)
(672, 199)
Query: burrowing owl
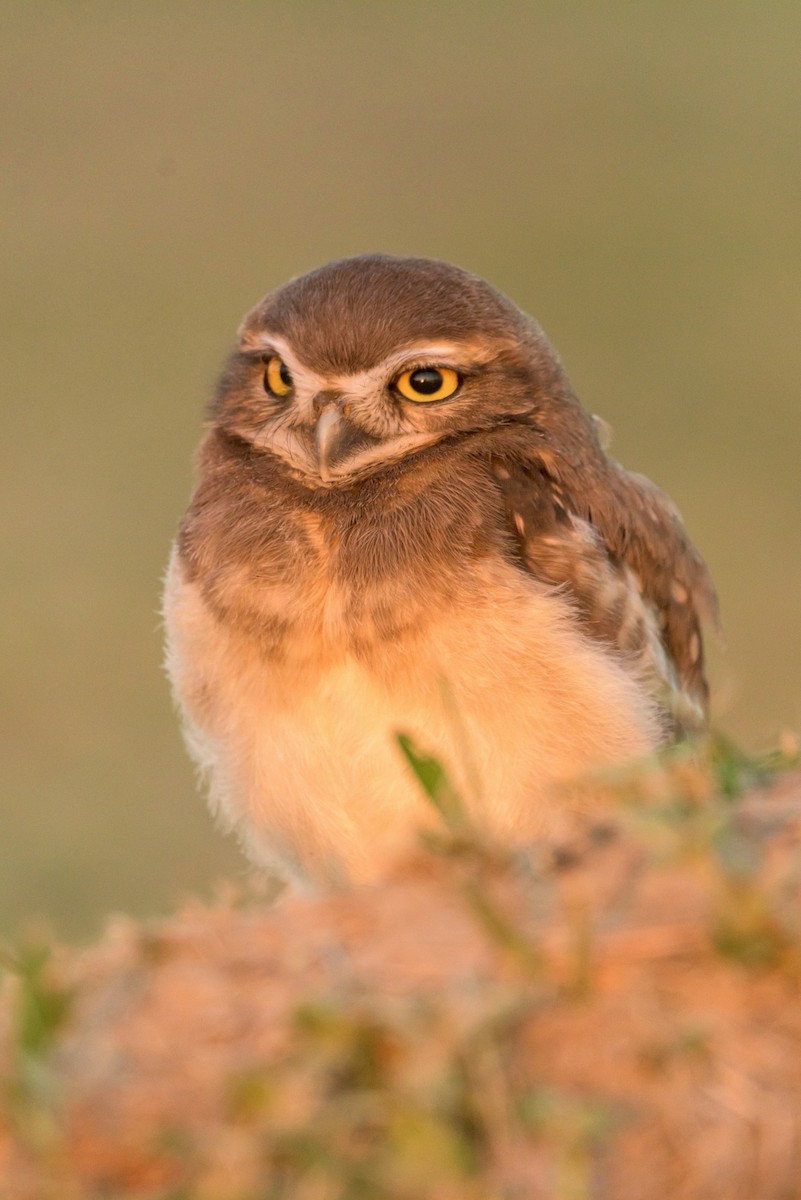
(404, 520)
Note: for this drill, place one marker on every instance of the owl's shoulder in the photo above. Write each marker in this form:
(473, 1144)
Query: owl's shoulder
(613, 542)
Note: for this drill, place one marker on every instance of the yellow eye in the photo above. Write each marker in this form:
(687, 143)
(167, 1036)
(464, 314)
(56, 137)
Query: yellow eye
(277, 378)
(425, 384)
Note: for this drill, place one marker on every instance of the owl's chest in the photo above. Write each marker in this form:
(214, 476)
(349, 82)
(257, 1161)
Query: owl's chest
(362, 587)
(349, 574)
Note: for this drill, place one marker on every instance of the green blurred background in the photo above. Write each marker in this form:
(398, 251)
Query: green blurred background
(629, 173)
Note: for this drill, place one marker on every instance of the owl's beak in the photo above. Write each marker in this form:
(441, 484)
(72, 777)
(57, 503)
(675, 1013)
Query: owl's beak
(336, 440)
(327, 438)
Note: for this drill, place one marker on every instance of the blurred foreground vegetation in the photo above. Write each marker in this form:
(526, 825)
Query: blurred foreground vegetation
(613, 1016)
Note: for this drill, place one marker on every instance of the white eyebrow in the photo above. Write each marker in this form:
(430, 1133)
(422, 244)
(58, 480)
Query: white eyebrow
(264, 340)
(438, 353)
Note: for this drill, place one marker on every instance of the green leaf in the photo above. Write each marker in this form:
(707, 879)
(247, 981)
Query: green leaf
(434, 780)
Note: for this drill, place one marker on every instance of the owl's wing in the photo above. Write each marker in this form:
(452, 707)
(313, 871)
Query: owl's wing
(615, 544)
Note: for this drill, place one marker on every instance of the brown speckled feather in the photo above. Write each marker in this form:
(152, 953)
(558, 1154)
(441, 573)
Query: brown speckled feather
(613, 540)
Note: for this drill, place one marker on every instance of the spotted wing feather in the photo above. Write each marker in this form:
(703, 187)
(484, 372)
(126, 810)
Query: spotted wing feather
(614, 543)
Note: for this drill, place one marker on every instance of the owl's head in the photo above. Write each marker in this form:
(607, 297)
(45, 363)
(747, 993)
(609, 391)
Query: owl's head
(369, 360)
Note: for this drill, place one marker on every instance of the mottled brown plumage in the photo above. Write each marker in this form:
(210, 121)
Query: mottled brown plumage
(473, 568)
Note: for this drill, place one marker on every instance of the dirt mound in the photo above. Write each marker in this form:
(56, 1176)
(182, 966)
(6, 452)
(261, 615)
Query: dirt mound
(617, 1017)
